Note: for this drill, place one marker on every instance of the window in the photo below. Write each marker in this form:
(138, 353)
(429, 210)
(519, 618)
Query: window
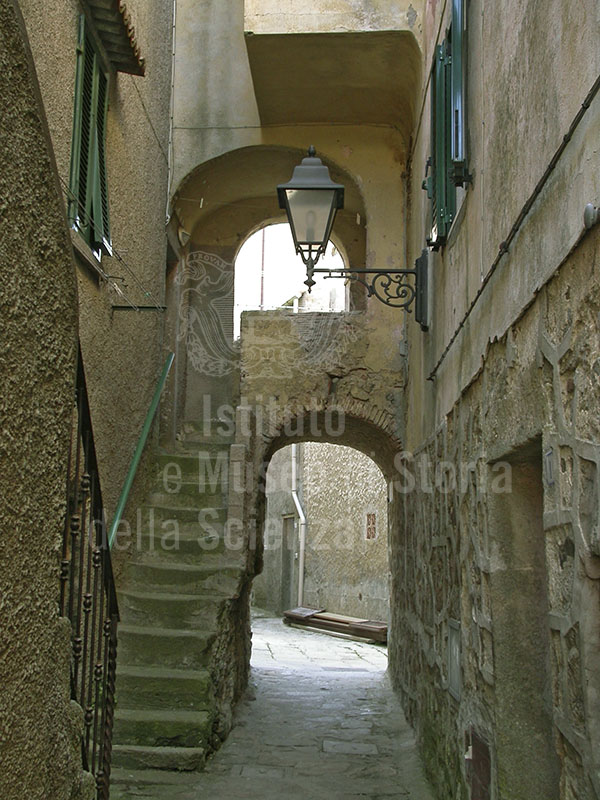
(88, 204)
(447, 165)
(371, 532)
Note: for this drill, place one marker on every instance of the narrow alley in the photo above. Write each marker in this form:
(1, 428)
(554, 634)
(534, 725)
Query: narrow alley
(300, 308)
(319, 721)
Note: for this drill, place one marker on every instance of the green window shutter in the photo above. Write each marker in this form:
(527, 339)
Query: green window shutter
(78, 160)
(99, 187)
(88, 206)
(458, 94)
(447, 195)
(430, 183)
(440, 151)
(439, 185)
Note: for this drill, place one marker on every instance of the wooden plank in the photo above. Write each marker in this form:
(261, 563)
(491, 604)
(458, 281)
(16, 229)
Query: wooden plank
(302, 613)
(341, 618)
(366, 630)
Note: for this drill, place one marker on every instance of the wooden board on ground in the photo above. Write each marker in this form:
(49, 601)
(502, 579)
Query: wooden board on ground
(338, 623)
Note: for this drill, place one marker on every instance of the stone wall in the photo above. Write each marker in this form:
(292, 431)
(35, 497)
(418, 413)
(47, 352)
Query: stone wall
(511, 387)
(40, 728)
(345, 572)
(276, 588)
(310, 375)
(461, 543)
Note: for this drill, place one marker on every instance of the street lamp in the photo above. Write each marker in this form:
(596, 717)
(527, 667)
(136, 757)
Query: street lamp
(311, 200)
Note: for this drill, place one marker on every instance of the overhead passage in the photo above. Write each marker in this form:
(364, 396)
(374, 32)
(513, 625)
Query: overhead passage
(343, 78)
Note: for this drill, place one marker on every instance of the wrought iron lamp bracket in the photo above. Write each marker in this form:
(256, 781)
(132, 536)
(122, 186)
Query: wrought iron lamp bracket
(392, 287)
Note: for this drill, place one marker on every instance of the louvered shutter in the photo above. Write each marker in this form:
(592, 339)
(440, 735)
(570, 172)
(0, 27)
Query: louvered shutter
(458, 94)
(100, 233)
(430, 182)
(440, 146)
(447, 165)
(79, 151)
(446, 188)
(88, 206)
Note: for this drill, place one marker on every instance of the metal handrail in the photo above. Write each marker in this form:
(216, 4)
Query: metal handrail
(138, 451)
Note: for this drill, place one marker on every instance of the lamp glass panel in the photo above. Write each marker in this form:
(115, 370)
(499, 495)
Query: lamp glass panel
(310, 210)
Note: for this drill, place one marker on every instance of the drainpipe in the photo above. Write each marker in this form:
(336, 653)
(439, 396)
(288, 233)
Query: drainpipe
(302, 518)
(171, 114)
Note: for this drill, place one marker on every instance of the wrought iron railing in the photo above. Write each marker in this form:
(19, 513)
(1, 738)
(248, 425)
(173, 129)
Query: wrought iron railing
(87, 595)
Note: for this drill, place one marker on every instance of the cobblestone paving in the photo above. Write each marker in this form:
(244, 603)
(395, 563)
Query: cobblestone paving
(319, 722)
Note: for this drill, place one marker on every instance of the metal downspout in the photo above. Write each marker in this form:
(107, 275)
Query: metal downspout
(302, 519)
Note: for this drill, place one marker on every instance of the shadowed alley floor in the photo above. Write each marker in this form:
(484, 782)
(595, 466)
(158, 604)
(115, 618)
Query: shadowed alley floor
(320, 722)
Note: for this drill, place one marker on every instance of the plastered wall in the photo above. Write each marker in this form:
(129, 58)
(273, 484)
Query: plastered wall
(40, 728)
(122, 349)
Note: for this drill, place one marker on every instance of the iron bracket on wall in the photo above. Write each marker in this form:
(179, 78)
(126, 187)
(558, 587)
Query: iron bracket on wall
(393, 287)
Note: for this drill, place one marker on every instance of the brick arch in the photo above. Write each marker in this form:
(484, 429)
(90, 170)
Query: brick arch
(326, 426)
(350, 423)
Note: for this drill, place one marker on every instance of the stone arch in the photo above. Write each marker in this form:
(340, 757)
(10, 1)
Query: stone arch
(300, 373)
(368, 428)
(356, 430)
(223, 200)
(215, 209)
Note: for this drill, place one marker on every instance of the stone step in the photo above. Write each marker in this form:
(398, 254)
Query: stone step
(213, 574)
(161, 688)
(169, 610)
(182, 547)
(124, 783)
(164, 647)
(161, 517)
(137, 757)
(150, 728)
(213, 431)
(204, 469)
(189, 459)
(216, 485)
(153, 525)
(194, 499)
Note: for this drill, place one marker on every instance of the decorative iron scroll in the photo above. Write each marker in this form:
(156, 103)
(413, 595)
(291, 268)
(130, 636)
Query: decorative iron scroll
(391, 287)
(87, 595)
(397, 288)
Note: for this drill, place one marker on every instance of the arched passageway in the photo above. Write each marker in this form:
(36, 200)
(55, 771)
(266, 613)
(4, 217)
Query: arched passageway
(325, 533)
(215, 210)
(315, 376)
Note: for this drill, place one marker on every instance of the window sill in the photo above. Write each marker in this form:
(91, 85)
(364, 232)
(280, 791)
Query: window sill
(85, 257)
(461, 198)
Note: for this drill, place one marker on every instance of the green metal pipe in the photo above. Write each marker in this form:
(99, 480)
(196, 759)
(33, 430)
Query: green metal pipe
(138, 451)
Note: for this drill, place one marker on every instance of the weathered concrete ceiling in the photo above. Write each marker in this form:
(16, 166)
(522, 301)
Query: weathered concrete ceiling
(344, 78)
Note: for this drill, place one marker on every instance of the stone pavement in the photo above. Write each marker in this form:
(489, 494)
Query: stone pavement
(319, 722)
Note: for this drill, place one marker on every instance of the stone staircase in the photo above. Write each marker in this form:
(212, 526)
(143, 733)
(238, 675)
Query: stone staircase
(181, 593)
